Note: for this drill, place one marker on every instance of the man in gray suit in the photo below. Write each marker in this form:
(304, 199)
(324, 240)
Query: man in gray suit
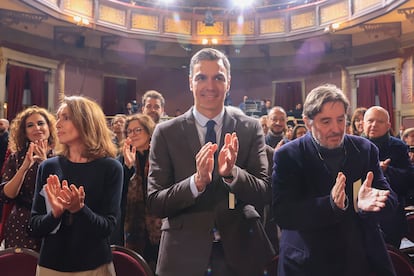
(208, 192)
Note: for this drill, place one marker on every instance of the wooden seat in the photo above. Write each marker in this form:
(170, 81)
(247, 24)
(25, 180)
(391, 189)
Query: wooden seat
(129, 263)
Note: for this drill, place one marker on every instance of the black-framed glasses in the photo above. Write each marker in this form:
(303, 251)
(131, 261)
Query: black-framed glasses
(136, 130)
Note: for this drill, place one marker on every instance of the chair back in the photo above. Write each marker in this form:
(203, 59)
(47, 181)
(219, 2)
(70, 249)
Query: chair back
(129, 263)
(410, 222)
(18, 262)
(400, 261)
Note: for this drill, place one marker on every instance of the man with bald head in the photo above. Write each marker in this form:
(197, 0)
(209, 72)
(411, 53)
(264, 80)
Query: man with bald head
(395, 163)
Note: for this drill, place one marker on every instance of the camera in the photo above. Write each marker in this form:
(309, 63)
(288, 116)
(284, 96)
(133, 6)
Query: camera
(411, 149)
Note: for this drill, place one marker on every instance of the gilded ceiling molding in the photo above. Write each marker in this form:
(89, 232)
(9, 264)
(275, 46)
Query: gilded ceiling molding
(10, 17)
(152, 22)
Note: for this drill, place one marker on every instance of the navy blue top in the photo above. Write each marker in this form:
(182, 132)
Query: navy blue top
(82, 240)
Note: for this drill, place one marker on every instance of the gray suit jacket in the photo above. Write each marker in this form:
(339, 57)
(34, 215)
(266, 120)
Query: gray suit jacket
(187, 221)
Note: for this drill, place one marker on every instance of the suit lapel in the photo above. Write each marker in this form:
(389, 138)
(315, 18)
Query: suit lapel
(229, 125)
(190, 132)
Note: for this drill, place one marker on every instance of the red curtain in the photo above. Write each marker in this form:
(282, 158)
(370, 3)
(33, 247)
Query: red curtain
(110, 103)
(366, 92)
(117, 92)
(384, 85)
(15, 90)
(37, 87)
(288, 94)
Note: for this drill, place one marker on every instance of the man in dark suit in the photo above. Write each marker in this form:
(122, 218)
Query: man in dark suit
(396, 166)
(328, 192)
(208, 192)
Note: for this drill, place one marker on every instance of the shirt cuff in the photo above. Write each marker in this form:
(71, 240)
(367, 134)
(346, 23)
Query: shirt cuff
(193, 187)
(234, 173)
(334, 207)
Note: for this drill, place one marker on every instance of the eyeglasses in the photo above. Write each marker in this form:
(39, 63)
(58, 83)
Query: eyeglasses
(137, 130)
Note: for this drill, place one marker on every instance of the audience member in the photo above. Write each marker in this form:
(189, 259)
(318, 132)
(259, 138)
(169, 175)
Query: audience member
(400, 132)
(142, 230)
(328, 191)
(298, 131)
(408, 138)
(117, 127)
(263, 123)
(78, 193)
(288, 133)
(129, 109)
(208, 174)
(266, 106)
(4, 140)
(396, 166)
(357, 121)
(32, 139)
(297, 112)
(277, 123)
(153, 105)
(242, 105)
(177, 112)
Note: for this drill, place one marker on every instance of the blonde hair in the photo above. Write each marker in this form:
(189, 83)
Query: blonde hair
(18, 140)
(90, 121)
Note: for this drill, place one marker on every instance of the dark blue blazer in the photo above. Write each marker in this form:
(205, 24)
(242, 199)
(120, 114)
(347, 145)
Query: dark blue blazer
(318, 238)
(399, 176)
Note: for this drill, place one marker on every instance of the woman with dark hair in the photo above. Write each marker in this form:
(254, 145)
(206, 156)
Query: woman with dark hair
(77, 199)
(298, 131)
(32, 139)
(142, 230)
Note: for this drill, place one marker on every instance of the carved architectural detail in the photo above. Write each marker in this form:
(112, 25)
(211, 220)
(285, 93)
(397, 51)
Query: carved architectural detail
(112, 15)
(84, 7)
(181, 26)
(408, 12)
(392, 29)
(145, 22)
(245, 28)
(216, 29)
(9, 17)
(272, 25)
(303, 20)
(333, 12)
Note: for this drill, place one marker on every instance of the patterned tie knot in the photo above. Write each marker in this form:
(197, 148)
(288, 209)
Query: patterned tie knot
(210, 124)
(211, 133)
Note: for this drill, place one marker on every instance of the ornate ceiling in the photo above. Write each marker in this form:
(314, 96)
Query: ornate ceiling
(303, 29)
(218, 4)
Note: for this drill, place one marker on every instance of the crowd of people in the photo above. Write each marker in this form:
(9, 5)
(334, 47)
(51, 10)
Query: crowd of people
(209, 192)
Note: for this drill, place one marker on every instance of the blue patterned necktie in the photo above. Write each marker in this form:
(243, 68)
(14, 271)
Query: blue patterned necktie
(211, 133)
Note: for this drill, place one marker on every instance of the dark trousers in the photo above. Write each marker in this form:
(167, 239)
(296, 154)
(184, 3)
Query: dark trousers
(218, 265)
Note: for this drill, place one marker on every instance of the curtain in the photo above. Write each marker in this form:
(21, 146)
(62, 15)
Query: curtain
(366, 92)
(15, 90)
(110, 103)
(131, 88)
(288, 94)
(37, 87)
(384, 86)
